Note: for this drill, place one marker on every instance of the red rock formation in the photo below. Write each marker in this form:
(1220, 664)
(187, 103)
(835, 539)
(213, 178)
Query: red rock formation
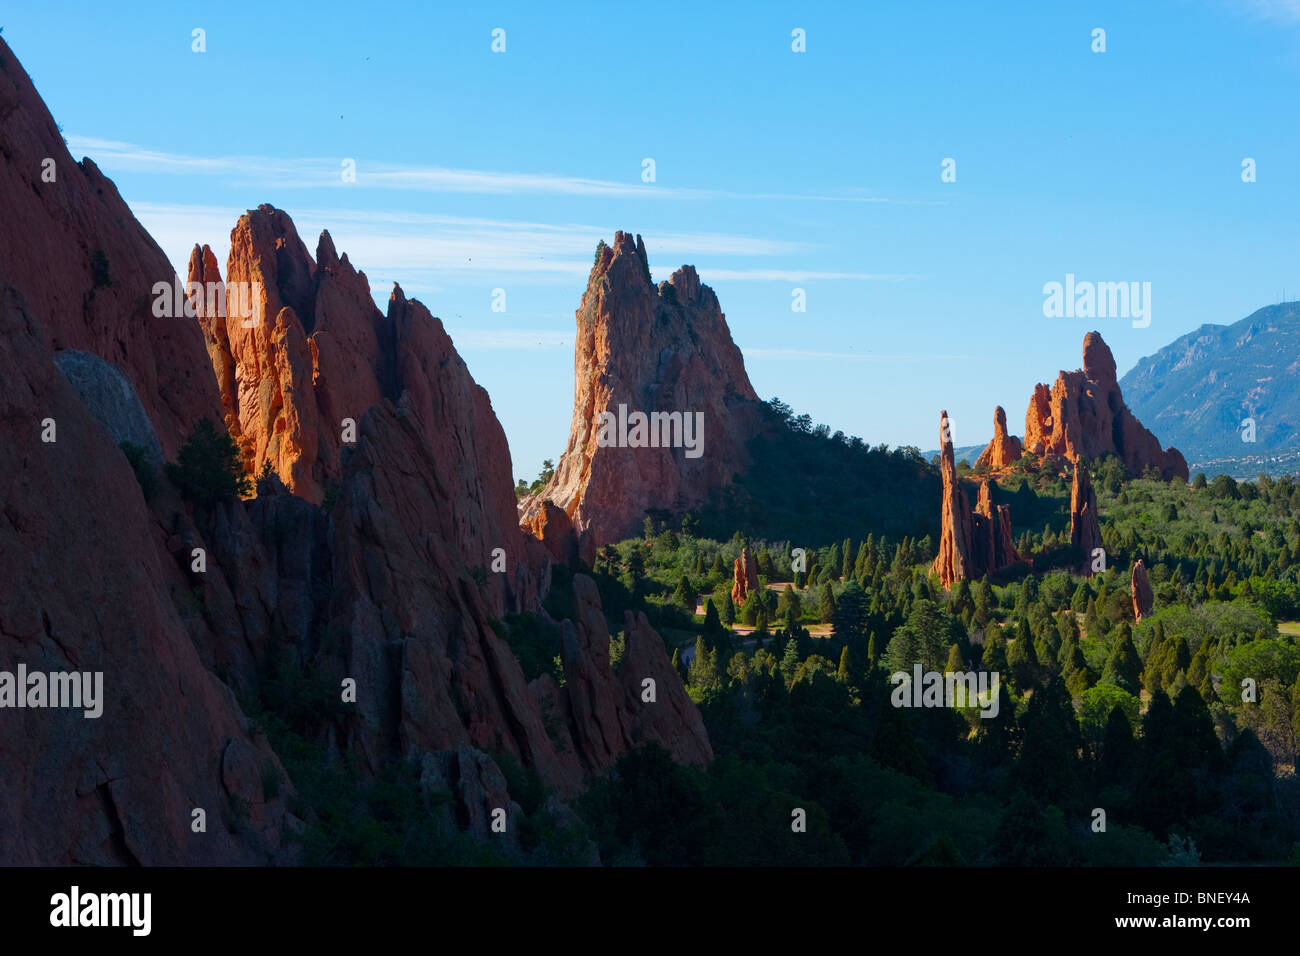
(1083, 416)
(995, 545)
(1004, 449)
(647, 349)
(971, 543)
(86, 588)
(609, 713)
(954, 560)
(1085, 530)
(744, 573)
(88, 269)
(396, 587)
(1140, 587)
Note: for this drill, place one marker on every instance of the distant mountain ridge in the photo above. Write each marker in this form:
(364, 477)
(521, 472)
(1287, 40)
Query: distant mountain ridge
(1197, 391)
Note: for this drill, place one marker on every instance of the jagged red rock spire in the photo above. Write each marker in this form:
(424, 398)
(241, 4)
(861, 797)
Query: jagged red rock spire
(971, 543)
(664, 348)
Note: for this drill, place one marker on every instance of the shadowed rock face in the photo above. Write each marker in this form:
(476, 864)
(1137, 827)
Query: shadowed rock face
(88, 269)
(394, 587)
(88, 587)
(1085, 531)
(1083, 416)
(971, 543)
(651, 349)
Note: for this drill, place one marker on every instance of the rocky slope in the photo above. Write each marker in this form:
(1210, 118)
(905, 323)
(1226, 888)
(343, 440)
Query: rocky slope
(396, 585)
(647, 349)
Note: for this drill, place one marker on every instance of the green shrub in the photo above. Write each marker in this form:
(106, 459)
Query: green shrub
(208, 468)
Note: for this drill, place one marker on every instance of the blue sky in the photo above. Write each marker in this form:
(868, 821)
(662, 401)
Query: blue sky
(775, 170)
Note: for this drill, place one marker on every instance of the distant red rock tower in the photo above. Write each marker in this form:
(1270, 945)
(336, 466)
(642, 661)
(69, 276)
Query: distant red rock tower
(1143, 598)
(971, 544)
(1004, 449)
(745, 577)
(1083, 416)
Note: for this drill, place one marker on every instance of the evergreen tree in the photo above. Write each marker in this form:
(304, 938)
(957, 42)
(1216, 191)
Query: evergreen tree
(1123, 667)
(846, 671)
(955, 663)
(712, 624)
(728, 610)
(749, 610)
(209, 467)
(846, 568)
(1119, 751)
(826, 605)
(1047, 768)
(684, 597)
(849, 620)
(789, 602)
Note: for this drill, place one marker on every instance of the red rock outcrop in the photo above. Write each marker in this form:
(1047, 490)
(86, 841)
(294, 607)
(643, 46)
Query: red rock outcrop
(1085, 529)
(395, 587)
(1140, 588)
(88, 269)
(1004, 450)
(609, 713)
(744, 574)
(992, 537)
(1083, 416)
(647, 349)
(87, 589)
(971, 543)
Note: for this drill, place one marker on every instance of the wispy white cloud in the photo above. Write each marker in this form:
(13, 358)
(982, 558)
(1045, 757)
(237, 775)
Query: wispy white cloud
(420, 251)
(318, 172)
(1287, 11)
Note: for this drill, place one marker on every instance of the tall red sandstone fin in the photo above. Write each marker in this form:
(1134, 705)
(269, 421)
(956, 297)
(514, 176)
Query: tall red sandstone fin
(1140, 589)
(744, 577)
(971, 543)
(92, 275)
(1083, 416)
(1085, 530)
(645, 349)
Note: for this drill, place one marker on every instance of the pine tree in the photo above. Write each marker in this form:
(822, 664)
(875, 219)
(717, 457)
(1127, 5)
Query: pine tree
(712, 624)
(826, 604)
(846, 568)
(846, 671)
(749, 610)
(728, 610)
(1123, 667)
(955, 663)
(209, 467)
(685, 595)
